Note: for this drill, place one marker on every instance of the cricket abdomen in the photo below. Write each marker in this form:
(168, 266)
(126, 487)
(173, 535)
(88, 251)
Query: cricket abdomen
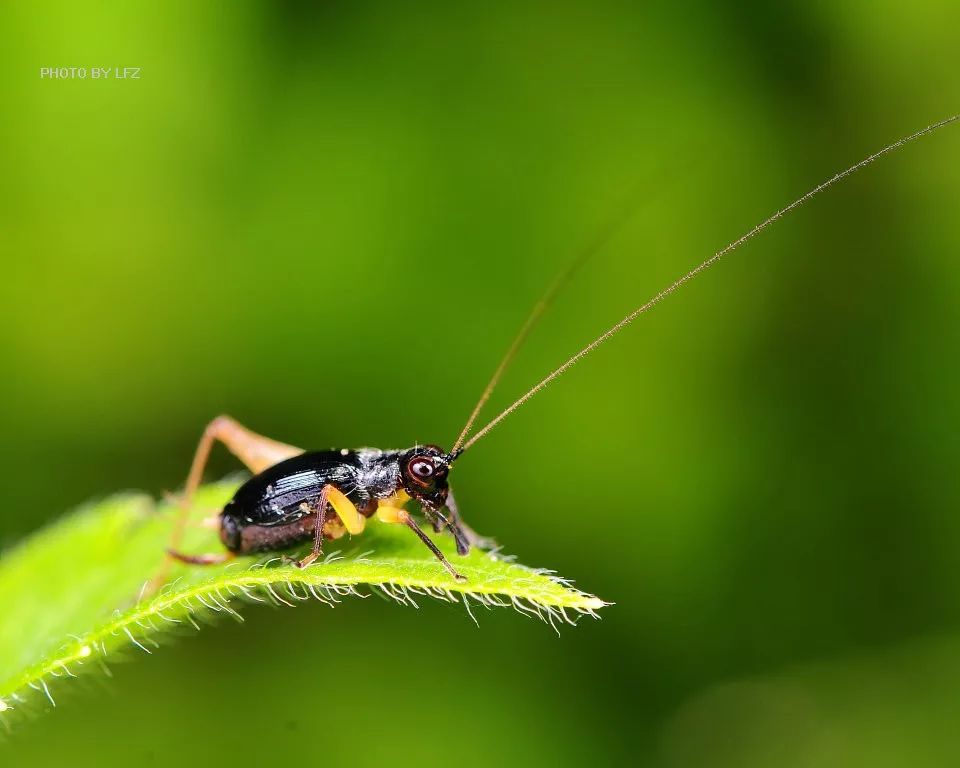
(247, 539)
(275, 509)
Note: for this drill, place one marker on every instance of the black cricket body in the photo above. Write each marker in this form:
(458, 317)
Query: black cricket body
(273, 510)
(294, 496)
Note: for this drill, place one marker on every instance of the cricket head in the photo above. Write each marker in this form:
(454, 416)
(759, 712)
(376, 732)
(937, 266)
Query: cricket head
(423, 472)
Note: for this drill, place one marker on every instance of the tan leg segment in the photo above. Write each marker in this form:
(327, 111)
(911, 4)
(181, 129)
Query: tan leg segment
(255, 451)
(208, 559)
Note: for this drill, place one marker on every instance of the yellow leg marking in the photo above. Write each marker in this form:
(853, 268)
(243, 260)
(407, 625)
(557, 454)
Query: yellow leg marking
(387, 514)
(397, 500)
(333, 528)
(352, 520)
(390, 509)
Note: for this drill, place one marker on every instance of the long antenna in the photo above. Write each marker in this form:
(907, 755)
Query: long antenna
(614, 330)
(592, 247)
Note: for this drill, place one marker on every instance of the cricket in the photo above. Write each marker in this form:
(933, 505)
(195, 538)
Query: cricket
(296, 496)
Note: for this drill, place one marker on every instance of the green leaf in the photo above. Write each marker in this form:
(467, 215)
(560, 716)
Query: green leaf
(71, 595)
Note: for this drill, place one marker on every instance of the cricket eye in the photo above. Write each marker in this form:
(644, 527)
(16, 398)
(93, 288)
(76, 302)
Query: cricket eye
(422, 470)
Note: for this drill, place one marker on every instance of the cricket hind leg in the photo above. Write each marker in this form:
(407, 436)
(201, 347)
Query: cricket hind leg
(255, 451)
(207, 559)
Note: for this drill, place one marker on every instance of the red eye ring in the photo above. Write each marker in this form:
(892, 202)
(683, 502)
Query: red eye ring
(421, 470)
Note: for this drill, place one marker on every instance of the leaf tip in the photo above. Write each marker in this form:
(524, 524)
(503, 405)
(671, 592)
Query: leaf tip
(595, 603)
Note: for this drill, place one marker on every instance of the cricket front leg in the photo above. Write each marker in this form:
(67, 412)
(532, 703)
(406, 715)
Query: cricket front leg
(399, 515)
(465, 535)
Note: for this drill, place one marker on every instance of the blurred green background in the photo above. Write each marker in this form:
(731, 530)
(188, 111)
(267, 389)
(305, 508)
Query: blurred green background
(327, 220)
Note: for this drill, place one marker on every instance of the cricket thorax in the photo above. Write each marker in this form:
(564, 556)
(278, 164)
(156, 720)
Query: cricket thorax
(379, 472)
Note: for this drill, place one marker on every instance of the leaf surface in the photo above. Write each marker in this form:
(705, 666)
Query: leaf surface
(72, 595)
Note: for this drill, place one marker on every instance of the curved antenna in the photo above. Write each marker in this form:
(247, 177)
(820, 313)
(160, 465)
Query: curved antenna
(614, 330)
(592, 247)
